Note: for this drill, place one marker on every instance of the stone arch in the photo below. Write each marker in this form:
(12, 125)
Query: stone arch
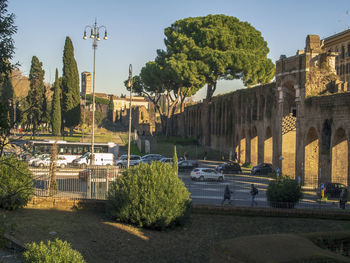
(311, 162)
(254, 146)
(268, 146)
(340, 157)
(237, 148)
(242, 147)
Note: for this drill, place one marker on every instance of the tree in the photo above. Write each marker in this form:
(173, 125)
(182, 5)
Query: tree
(70, 87)
(225, 47)
(110, 109)
(56, 107)
(36, 94)
(7, 49)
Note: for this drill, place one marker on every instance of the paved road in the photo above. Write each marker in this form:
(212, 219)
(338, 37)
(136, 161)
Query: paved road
(211, 193)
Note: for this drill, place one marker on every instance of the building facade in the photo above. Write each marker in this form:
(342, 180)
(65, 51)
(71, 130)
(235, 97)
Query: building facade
(85, 83)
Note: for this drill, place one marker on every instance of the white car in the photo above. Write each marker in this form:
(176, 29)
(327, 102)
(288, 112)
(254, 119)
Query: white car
(202, 174)
(35, 158)
(123, 160)
(44, 162)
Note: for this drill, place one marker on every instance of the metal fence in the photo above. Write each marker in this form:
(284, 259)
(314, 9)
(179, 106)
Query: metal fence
(89, 183)
(93, 183)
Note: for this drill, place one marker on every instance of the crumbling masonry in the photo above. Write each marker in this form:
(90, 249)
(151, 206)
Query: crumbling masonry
(300, 123)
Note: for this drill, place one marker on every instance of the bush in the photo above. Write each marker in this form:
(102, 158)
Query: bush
(149, 196)
(283, 192)
(247, 165)
(16, 183)
(52, 252)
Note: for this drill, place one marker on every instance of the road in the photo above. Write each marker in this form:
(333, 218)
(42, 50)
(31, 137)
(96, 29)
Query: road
(210, 193)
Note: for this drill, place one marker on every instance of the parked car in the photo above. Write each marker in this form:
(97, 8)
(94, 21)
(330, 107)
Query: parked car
(35, 158)
(332, 190)
(45, 162)
(167, 160)
(229, 168)
(150, 158)
(100, 159)
(187, 165)
(202, 174)
(123, 160)
(99, 174)
(262, 169)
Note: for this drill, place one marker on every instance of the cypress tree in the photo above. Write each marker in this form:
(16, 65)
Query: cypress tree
(70, 87)
(110, 109)
(36, 94)
(56, 107)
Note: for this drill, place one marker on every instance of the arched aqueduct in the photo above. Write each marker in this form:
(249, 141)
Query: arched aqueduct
(301, 129)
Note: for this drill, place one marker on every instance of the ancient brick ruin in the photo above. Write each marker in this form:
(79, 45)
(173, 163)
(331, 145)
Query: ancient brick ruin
(299, 123)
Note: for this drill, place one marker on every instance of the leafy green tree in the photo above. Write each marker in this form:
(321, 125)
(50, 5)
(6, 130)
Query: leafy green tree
(7, 50)
(110, 108)
(175, 162)
(225, 47)
(70, 87)
(36, 94)
(56, 107)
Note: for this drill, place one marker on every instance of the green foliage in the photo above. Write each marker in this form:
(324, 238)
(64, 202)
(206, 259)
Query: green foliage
(223, 48)
(7, 47)
(57, 251)
(247, 165)
(175, 162)
(16, 183)
(149, 196)
(283, 192)
(36, 94)
(98, 100)
(70, 86)
(56, 118)
(110, 109)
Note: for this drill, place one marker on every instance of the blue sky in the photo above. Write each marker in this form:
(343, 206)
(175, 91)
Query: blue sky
(135, 30)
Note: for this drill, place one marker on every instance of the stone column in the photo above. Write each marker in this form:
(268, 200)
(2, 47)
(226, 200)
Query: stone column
(277, 144)
(300, 134)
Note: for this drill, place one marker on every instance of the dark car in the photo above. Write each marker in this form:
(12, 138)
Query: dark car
(150, 158)
(187, 165)
(332, 190)
(229, 168)
(262, 169)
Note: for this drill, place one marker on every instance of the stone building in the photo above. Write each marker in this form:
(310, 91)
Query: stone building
(300, 123)
(85, 83)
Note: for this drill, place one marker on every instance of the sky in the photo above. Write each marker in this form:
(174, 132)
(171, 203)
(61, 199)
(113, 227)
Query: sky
(136, 30)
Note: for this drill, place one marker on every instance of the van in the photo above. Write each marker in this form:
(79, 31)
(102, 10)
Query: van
(100, 159)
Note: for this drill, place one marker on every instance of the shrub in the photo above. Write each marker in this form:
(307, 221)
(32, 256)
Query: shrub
(53, 252)
(283, 192)
(247, 165)
(16, 183)
(149, 196)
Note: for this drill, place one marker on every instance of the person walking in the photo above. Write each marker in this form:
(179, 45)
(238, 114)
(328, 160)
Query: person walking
(253, 192)
(343, 198)
(205, 155)
(227, 195)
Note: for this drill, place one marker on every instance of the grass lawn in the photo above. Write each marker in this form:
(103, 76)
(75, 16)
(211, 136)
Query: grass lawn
(102, 240)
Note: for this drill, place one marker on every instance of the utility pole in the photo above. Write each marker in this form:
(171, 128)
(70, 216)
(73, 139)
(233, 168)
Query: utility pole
(130, 110)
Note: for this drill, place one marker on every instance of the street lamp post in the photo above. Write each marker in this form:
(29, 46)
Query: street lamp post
(130, 87)
(95, 35)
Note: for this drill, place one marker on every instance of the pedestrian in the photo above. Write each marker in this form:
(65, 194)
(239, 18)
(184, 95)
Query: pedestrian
(185, 155)
(227, 195)
(253, 192)
(205, 155)
(343, 198)
(235, 157)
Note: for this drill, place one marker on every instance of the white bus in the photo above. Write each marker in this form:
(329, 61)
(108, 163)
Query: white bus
(72, 150)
